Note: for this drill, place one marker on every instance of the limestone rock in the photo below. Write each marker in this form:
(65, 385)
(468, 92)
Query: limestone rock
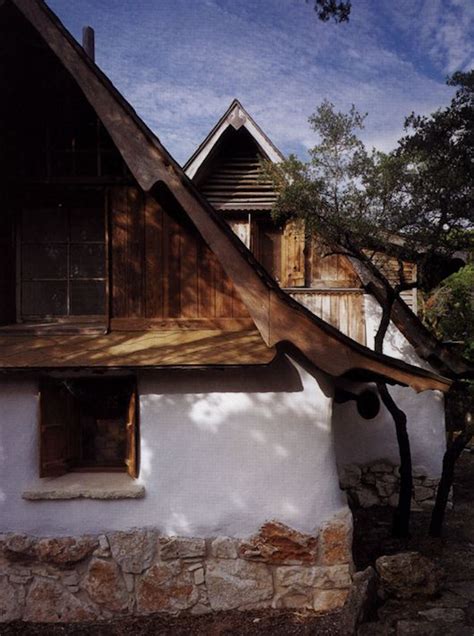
(224, 548)
(408, 574)
(134, 551)
(9, 602)
(329, 600)
(335, 540)
(105, 585)
(48, 602)
(18, 546)
(381, 467)
(444, 614)
(65, 550)
(361, 601)
(278, 544)
(166, 587)
(182, 548)
(237, 583)
(299, 578)
(366, 497)
(350, 476)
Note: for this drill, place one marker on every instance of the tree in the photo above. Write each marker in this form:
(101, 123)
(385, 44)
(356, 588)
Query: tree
(326, 9)
(370, 205)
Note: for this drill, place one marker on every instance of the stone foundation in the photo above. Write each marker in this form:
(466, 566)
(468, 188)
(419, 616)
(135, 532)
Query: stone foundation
(378, 483)
(139, 572)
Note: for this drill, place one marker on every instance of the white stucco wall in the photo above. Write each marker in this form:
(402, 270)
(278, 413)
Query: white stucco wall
(221, 453)
(361, 441)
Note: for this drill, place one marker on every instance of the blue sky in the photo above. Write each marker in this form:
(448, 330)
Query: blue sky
(181, 62)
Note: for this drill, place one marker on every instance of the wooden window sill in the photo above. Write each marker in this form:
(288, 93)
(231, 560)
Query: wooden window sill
(85, 486)
(51, 329)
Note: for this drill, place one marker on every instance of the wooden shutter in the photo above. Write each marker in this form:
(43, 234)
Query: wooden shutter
(293, 255)
(131, 460)
(57, 407)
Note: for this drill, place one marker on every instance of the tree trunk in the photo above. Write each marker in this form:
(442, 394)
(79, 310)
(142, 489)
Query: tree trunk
(401, 517)
(447, 477)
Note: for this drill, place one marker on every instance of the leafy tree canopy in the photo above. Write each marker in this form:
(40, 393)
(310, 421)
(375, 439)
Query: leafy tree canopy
(414, 201)
(327, 9)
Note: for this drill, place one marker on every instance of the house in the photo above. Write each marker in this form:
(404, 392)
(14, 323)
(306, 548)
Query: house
(227, 169)
(166, 439)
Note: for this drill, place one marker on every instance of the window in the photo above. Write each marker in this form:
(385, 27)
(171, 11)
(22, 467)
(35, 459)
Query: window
(88, 424)
(61, 263)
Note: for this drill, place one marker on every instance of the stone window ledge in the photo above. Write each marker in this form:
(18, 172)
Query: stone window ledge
(85, 486)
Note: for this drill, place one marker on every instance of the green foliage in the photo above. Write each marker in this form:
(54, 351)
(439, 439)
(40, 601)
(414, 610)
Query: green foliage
(449, 310)
(414, 202)
(327, 9)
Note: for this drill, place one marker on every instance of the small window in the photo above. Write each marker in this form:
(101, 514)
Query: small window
(88, 424)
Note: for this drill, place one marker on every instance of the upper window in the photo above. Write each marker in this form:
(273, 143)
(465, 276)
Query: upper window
(61, 264)
(88, 424)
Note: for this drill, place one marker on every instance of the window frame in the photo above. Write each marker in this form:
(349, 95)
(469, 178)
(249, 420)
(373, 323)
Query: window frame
(63, 319)
(60, 433)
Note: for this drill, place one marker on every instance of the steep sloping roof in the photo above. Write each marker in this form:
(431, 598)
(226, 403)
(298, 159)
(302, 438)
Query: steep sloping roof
(234, 117)
(277, 317)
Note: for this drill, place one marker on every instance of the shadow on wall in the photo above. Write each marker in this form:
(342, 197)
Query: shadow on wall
(221, 453)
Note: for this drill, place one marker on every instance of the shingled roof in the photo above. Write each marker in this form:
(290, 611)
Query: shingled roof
(278, 317)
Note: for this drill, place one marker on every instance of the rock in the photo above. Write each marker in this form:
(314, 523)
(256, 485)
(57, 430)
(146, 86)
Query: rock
(181, 548)
(385, 489)
(443, 614)
(104, 548)
(134, 551)
(407, 574)
(350, 476)
(9, 602)
(414, 628)
(198, 576)
(48, 602)
(224, 548)
(299, 578)
(278, 544)
(381, 467)
(367, 498)
(329, 600)
(335, 540)
(18, 546)
(422, 493)
(65, 550)
(236, 583)
(465, 589)
(166, 587)
(105, 585)
(361, 601)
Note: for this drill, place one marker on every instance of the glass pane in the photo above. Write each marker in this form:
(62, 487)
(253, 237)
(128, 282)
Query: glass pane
(87, 298)
(43, 261)
(45, 225)
(46, 298)
(87, 225)
(87, 261)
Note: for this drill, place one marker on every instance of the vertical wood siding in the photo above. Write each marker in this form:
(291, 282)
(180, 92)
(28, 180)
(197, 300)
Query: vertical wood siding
(161, 267)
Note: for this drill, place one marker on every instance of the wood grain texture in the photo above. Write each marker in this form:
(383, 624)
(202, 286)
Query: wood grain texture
(136, 349)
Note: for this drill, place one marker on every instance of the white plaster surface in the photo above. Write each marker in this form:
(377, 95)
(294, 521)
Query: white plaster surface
(361, 441)
(221, 453)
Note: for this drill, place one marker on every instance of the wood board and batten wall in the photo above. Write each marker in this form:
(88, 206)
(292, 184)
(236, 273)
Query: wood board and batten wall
(227, 168)
(162, 270)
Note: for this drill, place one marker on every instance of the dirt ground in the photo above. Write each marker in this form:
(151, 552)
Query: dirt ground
(454, 552)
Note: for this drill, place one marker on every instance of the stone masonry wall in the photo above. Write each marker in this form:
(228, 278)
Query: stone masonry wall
(88, 578)
(377, 484)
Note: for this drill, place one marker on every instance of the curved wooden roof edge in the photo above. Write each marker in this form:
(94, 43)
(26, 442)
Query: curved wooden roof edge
(278, 317)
